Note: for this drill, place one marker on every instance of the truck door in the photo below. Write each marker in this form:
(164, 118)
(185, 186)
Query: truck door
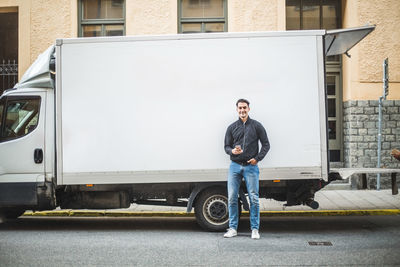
(340, 41)
(22, 127)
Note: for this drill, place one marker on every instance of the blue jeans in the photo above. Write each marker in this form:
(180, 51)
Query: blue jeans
(250, 173)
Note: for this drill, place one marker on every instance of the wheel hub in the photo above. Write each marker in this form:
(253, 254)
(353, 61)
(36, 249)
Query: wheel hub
(216, 210)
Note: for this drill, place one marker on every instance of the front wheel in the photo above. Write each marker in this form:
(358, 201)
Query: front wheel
(11, 214)
(211, 209)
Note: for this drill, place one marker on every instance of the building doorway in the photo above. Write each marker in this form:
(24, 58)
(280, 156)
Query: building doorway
(8, 48)
(334, 116)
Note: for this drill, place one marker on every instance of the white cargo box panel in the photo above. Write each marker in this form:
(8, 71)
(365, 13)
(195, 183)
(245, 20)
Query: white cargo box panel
(155, 109)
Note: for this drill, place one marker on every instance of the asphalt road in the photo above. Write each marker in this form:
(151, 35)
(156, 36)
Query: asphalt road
(46, 241)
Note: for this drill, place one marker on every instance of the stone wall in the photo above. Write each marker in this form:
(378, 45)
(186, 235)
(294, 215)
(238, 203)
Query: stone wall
(360, 129)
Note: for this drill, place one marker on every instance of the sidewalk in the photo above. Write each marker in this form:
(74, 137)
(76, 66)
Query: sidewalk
(331, 202)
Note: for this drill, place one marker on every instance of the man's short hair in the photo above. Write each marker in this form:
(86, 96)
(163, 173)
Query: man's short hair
(242, 100)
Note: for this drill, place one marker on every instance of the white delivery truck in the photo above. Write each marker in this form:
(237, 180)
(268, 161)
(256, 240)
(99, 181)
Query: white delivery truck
(100, 123)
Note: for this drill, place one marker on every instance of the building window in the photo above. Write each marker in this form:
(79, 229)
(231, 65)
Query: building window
(101, 18)
(202, 16)
(312, 14)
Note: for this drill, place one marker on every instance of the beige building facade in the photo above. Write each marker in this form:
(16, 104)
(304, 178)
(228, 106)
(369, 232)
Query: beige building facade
(40, 22)
(356, 81)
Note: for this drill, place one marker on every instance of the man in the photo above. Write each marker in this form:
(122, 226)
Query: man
(241, 143)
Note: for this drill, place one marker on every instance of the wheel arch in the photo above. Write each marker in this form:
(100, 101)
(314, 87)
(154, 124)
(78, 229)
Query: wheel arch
(199, 188)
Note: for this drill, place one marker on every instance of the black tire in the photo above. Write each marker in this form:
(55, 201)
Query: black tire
(11, 214)
(211, 209)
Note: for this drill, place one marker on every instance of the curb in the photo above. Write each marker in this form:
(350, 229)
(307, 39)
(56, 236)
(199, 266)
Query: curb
(90, 213)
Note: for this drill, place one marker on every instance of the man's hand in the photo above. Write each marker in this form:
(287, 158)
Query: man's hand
(252, 161)
(396, 154)
(237, 151)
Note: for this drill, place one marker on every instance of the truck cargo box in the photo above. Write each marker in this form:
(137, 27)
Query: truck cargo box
(155, 109)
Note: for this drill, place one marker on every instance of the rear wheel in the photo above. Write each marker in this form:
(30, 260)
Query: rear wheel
(211, 209)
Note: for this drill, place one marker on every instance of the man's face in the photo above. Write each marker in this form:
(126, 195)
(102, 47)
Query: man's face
(243, 110)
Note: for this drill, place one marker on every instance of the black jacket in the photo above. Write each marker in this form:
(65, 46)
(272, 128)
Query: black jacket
(247, 136)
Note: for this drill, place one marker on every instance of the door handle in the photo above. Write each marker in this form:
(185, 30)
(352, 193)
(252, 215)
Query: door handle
(38, 155)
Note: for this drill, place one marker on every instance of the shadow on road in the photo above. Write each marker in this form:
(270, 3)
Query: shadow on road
(272, 225)
(101, 224)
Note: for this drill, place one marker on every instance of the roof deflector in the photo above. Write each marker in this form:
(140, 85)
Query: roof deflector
(340, 41)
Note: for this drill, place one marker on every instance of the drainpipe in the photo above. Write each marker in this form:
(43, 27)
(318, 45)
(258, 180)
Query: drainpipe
(383, 97)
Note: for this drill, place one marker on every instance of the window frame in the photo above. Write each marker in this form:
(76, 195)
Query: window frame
(202, 20)
(3, 101)
(321, 14)
(100, 22)
(8, 99)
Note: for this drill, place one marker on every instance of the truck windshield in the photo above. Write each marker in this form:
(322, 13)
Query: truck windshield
(21, 117)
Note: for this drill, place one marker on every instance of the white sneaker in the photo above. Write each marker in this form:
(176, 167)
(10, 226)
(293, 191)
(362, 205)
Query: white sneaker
(255, 234)
(230, 233)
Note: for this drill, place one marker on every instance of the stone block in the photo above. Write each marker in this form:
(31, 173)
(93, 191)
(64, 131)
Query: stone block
(396, 131)
(389, 138)
(369, 138)
(363, 103)
(373, 131)
(364, 159)
(350, 131)
(350, 117)
(395, 145)
(356, 138)
(383, 110)
(372, 117)
(369, 111)
(386, 131)
(391, 124)
(370, 124)
(362, 131)
(395, 117)
(370, 153)
(373, 145)
(352, 146)
(373, 103)
(357, 153)
(356, 124)
(392, 110)
(397, 103)
(362, 145)
(350, 103)
(387, 103)
(386, 145)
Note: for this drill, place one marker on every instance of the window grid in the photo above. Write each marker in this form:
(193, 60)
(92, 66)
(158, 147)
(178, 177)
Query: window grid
(202, 21)
(103, 23)
(321, 13)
